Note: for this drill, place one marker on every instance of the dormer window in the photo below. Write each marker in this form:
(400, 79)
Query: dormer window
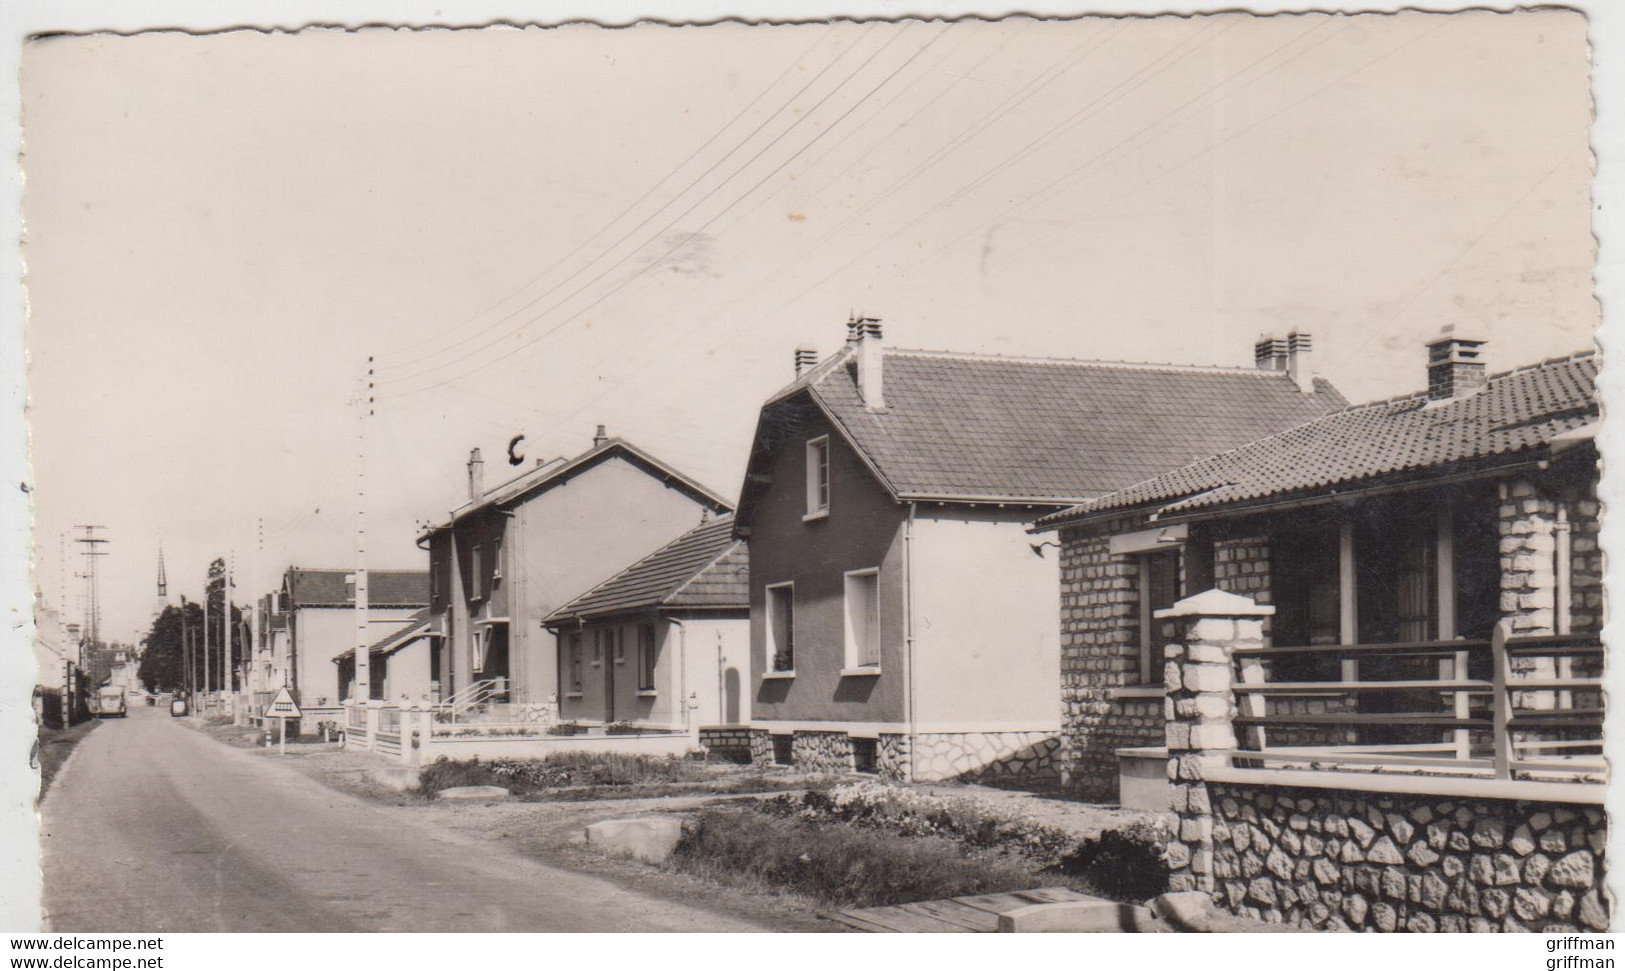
(818, 478)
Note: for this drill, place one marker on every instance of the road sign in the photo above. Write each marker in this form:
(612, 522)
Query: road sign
(282, 706)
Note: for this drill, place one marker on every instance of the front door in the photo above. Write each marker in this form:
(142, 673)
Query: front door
(609, 679)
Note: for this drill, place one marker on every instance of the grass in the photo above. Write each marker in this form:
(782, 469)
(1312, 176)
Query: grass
(54, 746)
(561, 771)
(839, 865)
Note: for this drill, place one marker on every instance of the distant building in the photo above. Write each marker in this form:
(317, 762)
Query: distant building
(901, 617)
(512, 554)
(665, 643)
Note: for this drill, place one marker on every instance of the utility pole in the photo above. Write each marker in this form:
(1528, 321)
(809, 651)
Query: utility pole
(208, 679)
(92, 622)
(228, 657)
(186, 656)
(363, 673)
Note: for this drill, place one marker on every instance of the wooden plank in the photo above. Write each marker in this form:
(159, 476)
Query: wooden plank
(1338, 687)
(855, 920)
(903, 921)
(957, 913)
(1448, 721)
(944, 925)
(1421, 648)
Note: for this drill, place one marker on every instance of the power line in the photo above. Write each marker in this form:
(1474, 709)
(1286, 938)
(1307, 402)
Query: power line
(649, 218)
(619, 216)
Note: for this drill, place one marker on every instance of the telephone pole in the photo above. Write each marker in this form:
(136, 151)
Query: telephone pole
(92, 551)
(363, 673)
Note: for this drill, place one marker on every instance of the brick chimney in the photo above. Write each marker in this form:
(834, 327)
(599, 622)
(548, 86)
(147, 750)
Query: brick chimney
(1300, 361)
(476, 476)
(599, 437)
(870, 356)
(806, 359)
(1270, 353)
(1455, 366)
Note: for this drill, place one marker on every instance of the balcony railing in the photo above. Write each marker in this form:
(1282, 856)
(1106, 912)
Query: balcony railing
(1532, 719)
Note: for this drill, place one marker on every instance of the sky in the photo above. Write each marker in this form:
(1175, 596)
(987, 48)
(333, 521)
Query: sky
(539, 231)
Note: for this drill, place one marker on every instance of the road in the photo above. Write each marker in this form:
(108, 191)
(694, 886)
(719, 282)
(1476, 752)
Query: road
(152, 826)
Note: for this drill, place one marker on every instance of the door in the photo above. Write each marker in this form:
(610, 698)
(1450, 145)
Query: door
(609, 678)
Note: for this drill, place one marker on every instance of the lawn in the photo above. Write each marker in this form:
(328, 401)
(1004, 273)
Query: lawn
(54, 747)
(597, 775)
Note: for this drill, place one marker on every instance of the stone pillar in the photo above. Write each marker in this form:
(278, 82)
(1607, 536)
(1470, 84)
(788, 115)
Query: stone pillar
(372, 725)
(1199, 709)
(1529, 576)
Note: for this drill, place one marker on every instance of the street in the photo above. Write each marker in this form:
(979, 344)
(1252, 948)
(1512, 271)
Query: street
(154, 827)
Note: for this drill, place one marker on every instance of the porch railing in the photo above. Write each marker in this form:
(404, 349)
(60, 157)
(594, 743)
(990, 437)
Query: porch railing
(1533, 718)
(471, 699)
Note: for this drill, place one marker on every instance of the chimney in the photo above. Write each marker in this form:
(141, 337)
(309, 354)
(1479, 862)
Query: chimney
(1455, 366)
(599, 437)
(1300, 361)
(1270, 353)
(806, 359)
(476, 476)
(870, 353)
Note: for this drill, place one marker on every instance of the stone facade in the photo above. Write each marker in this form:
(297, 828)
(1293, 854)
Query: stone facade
(823, 752)
(761, 747)
(731, 744)
(1586, 562)
(1100, 650)
(1241, 565)
(981, 755)
(1528, 523)
(1348, 860)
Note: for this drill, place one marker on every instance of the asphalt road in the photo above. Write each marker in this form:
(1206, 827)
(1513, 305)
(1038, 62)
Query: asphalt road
(152, 826)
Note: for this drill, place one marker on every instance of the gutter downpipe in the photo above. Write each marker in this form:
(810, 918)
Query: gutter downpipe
(908, 633)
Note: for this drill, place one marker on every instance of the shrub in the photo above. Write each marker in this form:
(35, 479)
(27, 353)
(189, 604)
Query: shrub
(563, 770)
(568, 728)
(1125, 864)
(839, 865)
(622, 728)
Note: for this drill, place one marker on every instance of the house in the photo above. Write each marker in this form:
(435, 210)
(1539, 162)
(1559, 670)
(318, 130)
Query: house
(315, 622)
(400, 665)
(513, 554)
(56, 669)
(665, 643)
(902, 620)
(1427, 517)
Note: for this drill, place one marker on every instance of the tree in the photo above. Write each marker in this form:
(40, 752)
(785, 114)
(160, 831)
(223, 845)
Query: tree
(215, 594)
(163, 666)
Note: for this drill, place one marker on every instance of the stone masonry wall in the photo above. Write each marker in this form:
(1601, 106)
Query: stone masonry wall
(983, 755)
(730, 744)
(1347, 860)
(823, 752)
(1100, 650)
(1585, 562)
(761, 747)
(1528, 522)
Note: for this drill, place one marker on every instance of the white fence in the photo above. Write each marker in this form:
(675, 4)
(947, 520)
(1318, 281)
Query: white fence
(412, 736)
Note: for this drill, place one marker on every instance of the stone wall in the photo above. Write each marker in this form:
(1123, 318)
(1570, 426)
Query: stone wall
(823, 752)
(1586, 562)
(1100, 651)
(1528, 522)
(761, 747)
(731, 744)
(1349, 860)
(893, 759)
(982, 755)
(1241, 565)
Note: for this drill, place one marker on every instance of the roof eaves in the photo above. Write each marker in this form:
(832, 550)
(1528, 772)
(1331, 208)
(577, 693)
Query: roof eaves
(726, 552)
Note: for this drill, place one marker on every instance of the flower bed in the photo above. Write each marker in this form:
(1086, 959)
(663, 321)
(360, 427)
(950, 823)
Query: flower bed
(1127, 863)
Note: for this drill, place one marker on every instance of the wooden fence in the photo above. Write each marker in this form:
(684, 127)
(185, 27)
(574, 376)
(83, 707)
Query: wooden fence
(1526, 715)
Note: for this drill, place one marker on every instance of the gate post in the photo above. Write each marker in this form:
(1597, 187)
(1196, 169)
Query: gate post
(1199, 709)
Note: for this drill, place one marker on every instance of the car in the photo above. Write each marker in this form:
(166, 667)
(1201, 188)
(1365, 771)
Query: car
(110, 703)
(177, 708)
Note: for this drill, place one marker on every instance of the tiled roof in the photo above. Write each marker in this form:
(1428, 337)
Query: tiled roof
(416, 626)
(1515, 412)
(970, 427)
(385, 588)
(560, 470)
(704, 569)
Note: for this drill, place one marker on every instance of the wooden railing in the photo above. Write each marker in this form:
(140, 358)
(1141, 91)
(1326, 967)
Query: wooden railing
(1532, 719)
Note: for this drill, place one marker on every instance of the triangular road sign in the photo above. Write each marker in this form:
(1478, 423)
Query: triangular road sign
(282, 706)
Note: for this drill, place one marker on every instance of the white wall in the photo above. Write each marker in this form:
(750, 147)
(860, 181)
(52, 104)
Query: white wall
(987, 629)
(407, 673)
(324, 632)
(719, 674)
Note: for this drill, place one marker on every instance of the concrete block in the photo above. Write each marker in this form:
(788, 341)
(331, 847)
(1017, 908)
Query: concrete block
(1079, 917)
(473, 794)
(396, 778)
(649, 839)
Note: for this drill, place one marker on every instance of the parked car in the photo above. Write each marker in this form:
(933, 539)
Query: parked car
(110, 703)
(177, 708)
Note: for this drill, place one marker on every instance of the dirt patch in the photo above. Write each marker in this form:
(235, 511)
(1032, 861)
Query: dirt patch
(53, 747)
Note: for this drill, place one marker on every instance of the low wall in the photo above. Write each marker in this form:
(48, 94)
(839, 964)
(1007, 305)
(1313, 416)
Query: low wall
(459, 748)
(731, 743)
(1336, 859)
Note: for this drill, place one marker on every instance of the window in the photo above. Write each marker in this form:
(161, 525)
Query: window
(618, 635)
(818, 477)
(1159, 588)
(575, 662)
(496, 559)
(781, 626)
(475, 560)
(784, 749)
(598, 636)
(479, 636)
(648, 649)
(863, 619)
(865, 755)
